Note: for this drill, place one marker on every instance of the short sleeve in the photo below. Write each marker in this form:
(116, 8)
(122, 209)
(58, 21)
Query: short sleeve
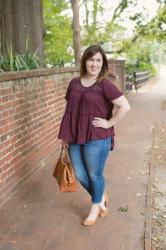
(110, 91)
(68, 91)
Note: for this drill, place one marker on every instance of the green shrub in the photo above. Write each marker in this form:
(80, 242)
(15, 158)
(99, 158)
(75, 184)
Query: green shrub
(131, 67)
(13, 62)
(153, 70)
(144, 66)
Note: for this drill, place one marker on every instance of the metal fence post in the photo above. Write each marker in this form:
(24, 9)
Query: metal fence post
(134, 80)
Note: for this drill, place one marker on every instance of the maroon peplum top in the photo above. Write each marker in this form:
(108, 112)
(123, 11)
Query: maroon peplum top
(83, 104)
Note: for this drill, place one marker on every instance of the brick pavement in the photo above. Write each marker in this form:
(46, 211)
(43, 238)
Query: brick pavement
(38, 217)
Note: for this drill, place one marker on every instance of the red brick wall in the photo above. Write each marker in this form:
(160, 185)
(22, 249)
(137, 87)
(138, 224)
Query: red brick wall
(116, 68)
(30, 111)
(31, 107)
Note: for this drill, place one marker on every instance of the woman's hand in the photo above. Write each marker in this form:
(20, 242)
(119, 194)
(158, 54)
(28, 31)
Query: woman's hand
(64, 144)
(122, 108)
(100, 122)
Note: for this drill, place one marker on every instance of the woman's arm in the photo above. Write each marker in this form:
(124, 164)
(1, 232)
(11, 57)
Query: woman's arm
(122, 108)
(64, 144)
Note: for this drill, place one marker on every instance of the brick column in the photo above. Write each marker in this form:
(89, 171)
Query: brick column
(117, 73)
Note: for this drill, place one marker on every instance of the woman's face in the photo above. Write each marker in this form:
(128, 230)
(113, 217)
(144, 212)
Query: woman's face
(94, 65)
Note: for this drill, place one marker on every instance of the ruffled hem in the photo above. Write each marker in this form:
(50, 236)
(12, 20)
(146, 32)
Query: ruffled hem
(72, 132)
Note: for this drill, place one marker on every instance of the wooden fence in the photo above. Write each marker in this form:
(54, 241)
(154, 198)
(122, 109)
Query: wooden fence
(135, 80)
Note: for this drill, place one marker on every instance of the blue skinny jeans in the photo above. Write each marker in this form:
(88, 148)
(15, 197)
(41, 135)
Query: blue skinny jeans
(88, 161)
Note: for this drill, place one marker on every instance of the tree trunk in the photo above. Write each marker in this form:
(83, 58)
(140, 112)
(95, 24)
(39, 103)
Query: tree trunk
(22, 21)
(86, 15)
(76, 31)
(95, 11)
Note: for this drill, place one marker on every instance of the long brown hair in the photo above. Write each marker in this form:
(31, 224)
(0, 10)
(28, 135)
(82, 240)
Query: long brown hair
(88, 53)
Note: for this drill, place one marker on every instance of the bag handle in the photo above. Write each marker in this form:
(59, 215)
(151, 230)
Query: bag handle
(64, 157)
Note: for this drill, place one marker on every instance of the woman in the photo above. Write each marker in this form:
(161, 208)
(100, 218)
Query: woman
(87, 126)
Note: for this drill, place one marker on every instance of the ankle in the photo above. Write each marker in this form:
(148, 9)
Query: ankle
(102, 203)
(94, 210)
(102, 206)
(95, 207)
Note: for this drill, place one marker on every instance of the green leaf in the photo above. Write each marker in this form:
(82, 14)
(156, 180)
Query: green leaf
(123, 209)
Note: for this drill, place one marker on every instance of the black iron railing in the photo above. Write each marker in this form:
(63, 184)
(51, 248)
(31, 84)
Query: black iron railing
(135, 80)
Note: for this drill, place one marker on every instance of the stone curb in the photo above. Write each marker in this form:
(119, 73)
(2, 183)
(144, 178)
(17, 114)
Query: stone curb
(148, 218)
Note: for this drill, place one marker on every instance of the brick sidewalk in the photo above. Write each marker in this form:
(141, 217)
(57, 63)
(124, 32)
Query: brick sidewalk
(38, 217)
